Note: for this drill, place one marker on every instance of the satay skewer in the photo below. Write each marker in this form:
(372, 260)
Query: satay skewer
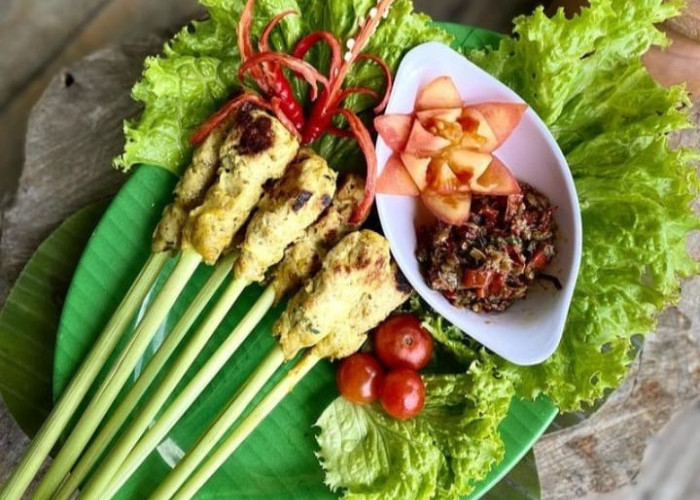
(188, 193)
(208, 230)
(380, 288)
(300, 262)
(292, 205)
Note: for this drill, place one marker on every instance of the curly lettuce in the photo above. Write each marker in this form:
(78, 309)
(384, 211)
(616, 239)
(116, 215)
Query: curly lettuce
(585, 78)
(197, 71)
(440, 453)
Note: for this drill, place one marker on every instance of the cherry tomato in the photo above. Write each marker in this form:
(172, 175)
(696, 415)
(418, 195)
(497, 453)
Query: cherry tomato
(359, 378)
(403, 394)
(401, 342)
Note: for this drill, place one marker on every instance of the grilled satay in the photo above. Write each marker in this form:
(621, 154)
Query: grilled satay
(190, 190)
(361, 263)
(374, 307)
(354, 269)
(303, 259)
(291, 205)
(257, 149)
(284, 214)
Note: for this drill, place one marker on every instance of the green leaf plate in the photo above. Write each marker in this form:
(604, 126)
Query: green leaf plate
(278, 460)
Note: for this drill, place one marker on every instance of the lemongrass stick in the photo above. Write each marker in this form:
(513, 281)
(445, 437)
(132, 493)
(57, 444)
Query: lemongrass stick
(73, 394)
(187, 465)
(122, 461)
(189, 394)
(165, 351)
(229, 445)
(118, 374)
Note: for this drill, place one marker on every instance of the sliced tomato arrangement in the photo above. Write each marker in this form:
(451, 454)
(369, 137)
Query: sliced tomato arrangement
(443, 151)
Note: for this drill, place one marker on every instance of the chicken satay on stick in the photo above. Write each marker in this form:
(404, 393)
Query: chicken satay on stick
(257, 149)
(189, 191)
(301, 261)
(282, 217)
(361, 268)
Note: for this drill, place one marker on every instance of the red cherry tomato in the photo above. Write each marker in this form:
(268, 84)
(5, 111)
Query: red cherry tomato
(403, 394)
(359, 378)
(401, 342)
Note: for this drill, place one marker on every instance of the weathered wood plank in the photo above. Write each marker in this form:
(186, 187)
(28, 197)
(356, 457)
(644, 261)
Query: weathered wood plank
(74, 131)
(39, 37)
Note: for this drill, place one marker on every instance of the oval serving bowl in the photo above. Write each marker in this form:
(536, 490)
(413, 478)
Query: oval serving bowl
(530, 330)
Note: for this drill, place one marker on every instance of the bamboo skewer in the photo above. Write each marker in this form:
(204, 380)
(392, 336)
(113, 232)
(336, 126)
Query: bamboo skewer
(164, 352)
(118, 374)
(76, 390)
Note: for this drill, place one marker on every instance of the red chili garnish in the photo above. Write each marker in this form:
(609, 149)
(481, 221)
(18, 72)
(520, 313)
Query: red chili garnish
(266, 68)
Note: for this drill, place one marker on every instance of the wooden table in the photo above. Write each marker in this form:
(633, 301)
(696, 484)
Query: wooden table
(599, 455)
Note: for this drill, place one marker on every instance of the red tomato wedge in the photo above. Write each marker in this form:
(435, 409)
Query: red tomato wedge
(440, 93)
(498, 180)
(502, 117)
(468, 164)
(442, 180)
(395, 179)
(476, 278)
(431, 115)
(394, 129)
(477, 132)
(449, 208)
(422, 143)
(417, 169)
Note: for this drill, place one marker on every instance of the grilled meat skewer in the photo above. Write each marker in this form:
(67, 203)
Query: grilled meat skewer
(190, 190)
(246, 156)
(300, 262)
(279, 221)
(361, 261)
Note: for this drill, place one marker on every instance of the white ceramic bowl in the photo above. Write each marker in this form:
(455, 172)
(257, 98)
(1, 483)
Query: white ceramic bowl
(529, 331)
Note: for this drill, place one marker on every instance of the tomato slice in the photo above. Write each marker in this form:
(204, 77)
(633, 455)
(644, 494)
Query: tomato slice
(440, 93)
(442, 180)
(394, 130)
(422, 142)
(502, 117)
(396, 180)
(497, 180)
(450, 208)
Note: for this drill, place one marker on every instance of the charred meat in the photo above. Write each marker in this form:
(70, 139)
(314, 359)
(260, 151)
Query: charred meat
(284, 214)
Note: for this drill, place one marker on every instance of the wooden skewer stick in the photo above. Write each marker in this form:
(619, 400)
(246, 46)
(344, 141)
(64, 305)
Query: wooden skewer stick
(78, 387)
(118, 374)
(162, 355)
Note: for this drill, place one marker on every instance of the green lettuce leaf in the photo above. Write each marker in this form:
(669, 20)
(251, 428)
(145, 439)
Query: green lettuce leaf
(585, 78)
(441, 453)
(197, 71)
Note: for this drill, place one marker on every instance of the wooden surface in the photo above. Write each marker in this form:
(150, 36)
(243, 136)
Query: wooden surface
(75, 129)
